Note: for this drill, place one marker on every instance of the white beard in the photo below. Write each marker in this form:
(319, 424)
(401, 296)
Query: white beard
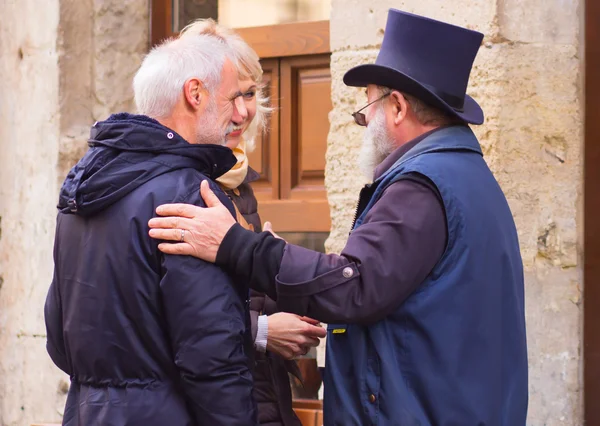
(376, 146)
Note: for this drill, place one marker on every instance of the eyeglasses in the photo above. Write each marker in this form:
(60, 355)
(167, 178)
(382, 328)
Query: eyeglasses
(359, 117)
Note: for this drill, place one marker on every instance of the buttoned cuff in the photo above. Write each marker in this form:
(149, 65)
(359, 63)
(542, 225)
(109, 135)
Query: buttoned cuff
(306, 272)
(262, 333)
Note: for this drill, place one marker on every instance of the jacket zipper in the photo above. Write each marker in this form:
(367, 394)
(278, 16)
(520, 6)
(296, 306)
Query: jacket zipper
(359, 206)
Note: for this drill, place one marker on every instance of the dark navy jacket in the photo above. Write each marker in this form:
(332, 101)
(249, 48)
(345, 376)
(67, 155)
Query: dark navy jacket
(454, 353)
(147, 339)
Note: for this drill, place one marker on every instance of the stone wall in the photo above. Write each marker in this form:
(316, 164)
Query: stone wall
(29, 134)
(63, 65)
(101, 45)
(527, 79)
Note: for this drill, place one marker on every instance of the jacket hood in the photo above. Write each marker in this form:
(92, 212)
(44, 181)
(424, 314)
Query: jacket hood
(127, 151)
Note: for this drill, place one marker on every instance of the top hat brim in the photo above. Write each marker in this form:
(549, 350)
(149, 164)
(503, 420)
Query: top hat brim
(363, 75)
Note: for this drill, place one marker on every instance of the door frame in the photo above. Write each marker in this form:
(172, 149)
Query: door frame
(271, 41)
(591, 250)
(161, 18)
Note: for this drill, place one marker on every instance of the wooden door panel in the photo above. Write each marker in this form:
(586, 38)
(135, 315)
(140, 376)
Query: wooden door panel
(265, 158)
(305, 105)
(296, 215)
(282, 40)
(314, 101)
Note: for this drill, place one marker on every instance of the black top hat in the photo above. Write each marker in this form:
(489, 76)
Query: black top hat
(428, 59)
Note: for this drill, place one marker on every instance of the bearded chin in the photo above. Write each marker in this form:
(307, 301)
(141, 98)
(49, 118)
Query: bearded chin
(209, 132)
(208, 129)
(368, 159)
(376, 146)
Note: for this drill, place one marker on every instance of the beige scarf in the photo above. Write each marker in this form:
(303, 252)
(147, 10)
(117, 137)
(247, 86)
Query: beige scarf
(234, 177)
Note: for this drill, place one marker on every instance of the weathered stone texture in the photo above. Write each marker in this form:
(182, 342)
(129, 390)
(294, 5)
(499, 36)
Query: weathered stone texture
(76, 90)
(29, 133)
(535, 153)
(532, 139)
(102, 44)
(358, 24)
(527, 79)
(63, 65)
(120, 31)
(554, 345)
(540, 21)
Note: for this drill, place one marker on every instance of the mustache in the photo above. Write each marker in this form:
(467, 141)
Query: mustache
(233, 126)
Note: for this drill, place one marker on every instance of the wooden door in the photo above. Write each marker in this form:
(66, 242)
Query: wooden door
(591, 226)
(265, 158)
(297, 200)
(297, 56)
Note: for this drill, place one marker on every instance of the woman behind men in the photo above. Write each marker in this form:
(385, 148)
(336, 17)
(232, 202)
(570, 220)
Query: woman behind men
(277, 336)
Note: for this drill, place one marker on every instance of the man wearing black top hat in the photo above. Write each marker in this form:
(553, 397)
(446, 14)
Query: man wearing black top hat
(425, 304)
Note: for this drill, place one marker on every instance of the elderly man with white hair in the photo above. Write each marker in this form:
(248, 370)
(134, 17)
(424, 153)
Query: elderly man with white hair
(151, 339)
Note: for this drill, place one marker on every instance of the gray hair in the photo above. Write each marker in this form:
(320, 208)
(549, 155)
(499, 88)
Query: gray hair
(159, 81)
(426, 114)
(248, 65)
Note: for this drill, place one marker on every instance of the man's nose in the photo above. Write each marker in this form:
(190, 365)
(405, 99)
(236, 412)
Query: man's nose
(240, 113)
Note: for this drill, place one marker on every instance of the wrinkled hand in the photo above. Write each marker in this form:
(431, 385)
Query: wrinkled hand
(290, 335)
(204, 228)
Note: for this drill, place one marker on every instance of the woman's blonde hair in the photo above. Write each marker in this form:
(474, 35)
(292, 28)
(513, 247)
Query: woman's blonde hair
(248, 66)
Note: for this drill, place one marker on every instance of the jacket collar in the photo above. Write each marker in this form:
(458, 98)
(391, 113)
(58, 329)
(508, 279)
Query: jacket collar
(141, 134)
(452, 138)
(252, 176)
(127, 151)
(391, 159)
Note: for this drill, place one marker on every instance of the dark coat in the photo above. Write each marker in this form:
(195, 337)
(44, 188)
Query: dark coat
(147, 339)
(272, 385)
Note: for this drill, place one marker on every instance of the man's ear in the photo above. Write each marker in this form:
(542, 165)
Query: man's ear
(193, 91)
(399, 106)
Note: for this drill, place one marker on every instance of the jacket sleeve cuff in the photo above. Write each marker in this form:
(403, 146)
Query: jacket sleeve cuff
(236, 238)
(262, 333)
(300, 275)
(253, 258)
(304, 273)
(253, 323)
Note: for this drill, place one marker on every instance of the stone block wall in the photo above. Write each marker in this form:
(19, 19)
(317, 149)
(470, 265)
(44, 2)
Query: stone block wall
(63, 65)
(29, 134)
(101, 45)
(527, 78)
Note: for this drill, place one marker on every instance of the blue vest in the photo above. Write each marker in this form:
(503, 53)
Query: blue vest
(455, 352)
